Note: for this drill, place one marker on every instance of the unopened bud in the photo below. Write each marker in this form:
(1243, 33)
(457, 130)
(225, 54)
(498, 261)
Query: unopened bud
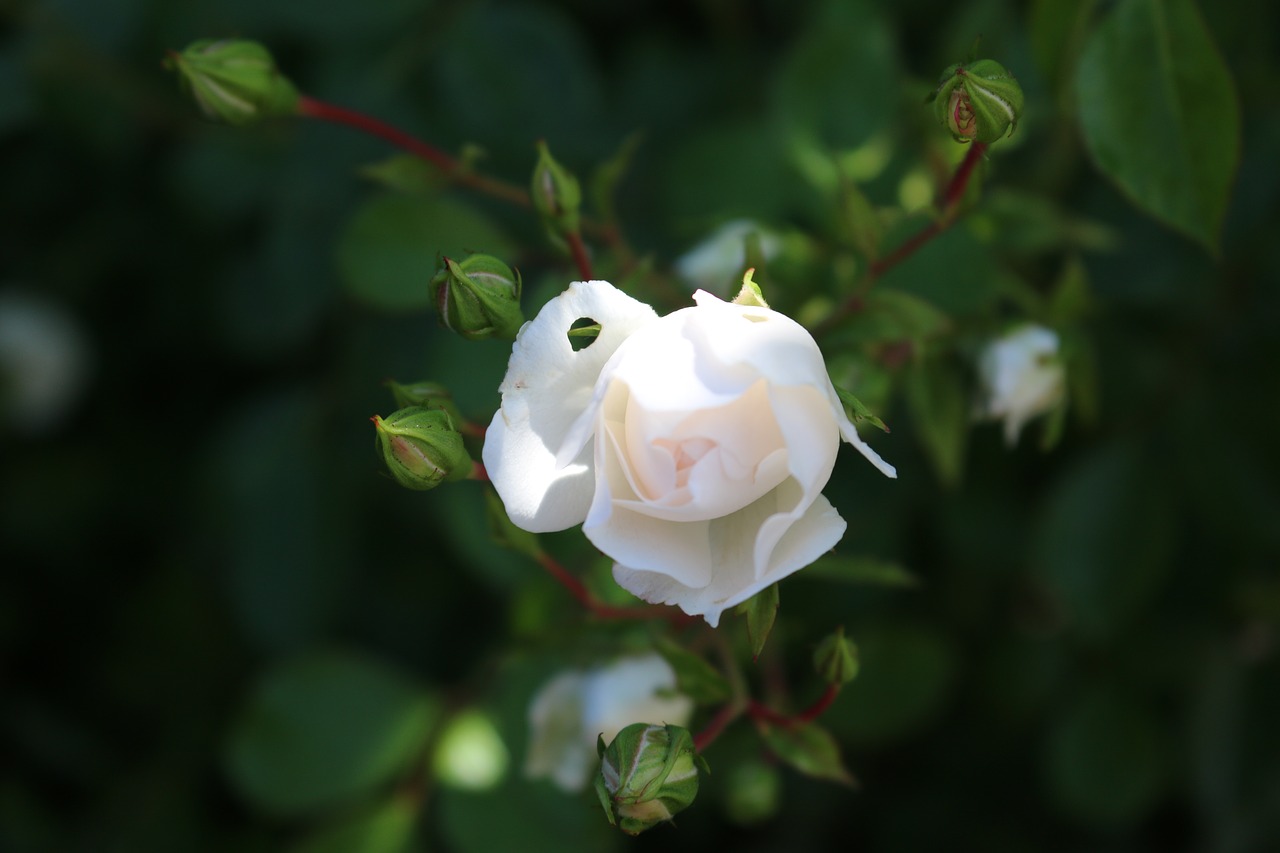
(429, 395)
(647, 775)
(478, 297)
(422, 448)
(556, 194)
(836, 659)
(234, 80)
(978, 101)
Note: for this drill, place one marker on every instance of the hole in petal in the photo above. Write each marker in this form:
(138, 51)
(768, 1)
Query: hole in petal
(583, 333)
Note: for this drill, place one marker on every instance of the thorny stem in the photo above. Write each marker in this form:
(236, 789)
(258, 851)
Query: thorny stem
(948, 213)
(600, 610)
(452, 168)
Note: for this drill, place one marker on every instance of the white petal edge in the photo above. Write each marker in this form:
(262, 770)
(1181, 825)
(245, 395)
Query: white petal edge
(812, 535)
(547, 386)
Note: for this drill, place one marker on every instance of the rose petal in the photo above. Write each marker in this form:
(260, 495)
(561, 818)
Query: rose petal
(546, 388)
(732, 539)
(779, 349)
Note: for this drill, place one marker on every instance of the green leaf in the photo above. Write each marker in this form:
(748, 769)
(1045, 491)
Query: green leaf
(905, 675)
(695, 678)
(385, 829)
(936, 396)
(831, 83)
(861, 570)
(810, 749)
(389, 250)
(1104, 539)
(761, 610)
(323, 729)
(1106, 759)
(857, 412)
(890, 316)
(1159, 113)
(404, 173)
(860, 220)
(609, 174)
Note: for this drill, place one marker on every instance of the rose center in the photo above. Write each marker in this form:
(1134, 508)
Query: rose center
(685, 454)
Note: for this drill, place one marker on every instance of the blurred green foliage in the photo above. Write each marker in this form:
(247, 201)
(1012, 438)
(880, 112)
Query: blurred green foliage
(223, 628)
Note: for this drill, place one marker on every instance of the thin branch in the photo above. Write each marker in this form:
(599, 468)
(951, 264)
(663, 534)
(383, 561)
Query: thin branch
(452, 168)
(948, 213)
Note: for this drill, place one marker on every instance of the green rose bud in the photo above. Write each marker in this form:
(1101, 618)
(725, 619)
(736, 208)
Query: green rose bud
(978, 101)
(647, 775)
(556, 194)
(429, 395)
(234, 80)
(421, 447)
(836, 659)
(478, 297)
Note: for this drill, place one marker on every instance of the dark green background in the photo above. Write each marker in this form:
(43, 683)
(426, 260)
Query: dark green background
(1091, 660)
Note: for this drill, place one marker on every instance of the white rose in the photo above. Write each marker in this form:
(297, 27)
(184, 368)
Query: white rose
(574, 708)
(692, 448)
(1021, 377)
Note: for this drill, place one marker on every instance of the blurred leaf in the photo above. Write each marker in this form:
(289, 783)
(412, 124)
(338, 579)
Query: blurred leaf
(861, 220)
(1070, 299)
(808, 748)
(404, 173)
(387, 828)
(1057, 31)
(392, 244)
(524, 816)
(322, 729)
(955, 271)
(904, 675)
(831, 85)
(534, 73)
(892, 316)
(1159, 113)
(861, 570)
(609, 175)
(1030, 223)
(761, 610)
(1106, 761)
(1103, 541)
(695, 678)
(940, 412)
(275, 512)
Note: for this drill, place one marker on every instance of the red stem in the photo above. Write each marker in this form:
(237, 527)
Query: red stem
(948, 213)
(450, 166)
(580, 257)
(600, 610)
(763, 713)
(818, 708)
(716, 725)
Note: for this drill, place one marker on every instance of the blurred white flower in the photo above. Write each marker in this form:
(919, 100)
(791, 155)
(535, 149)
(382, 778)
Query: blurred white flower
(574, 708)
(717, 263)
(1021, 377)
(44, 361)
